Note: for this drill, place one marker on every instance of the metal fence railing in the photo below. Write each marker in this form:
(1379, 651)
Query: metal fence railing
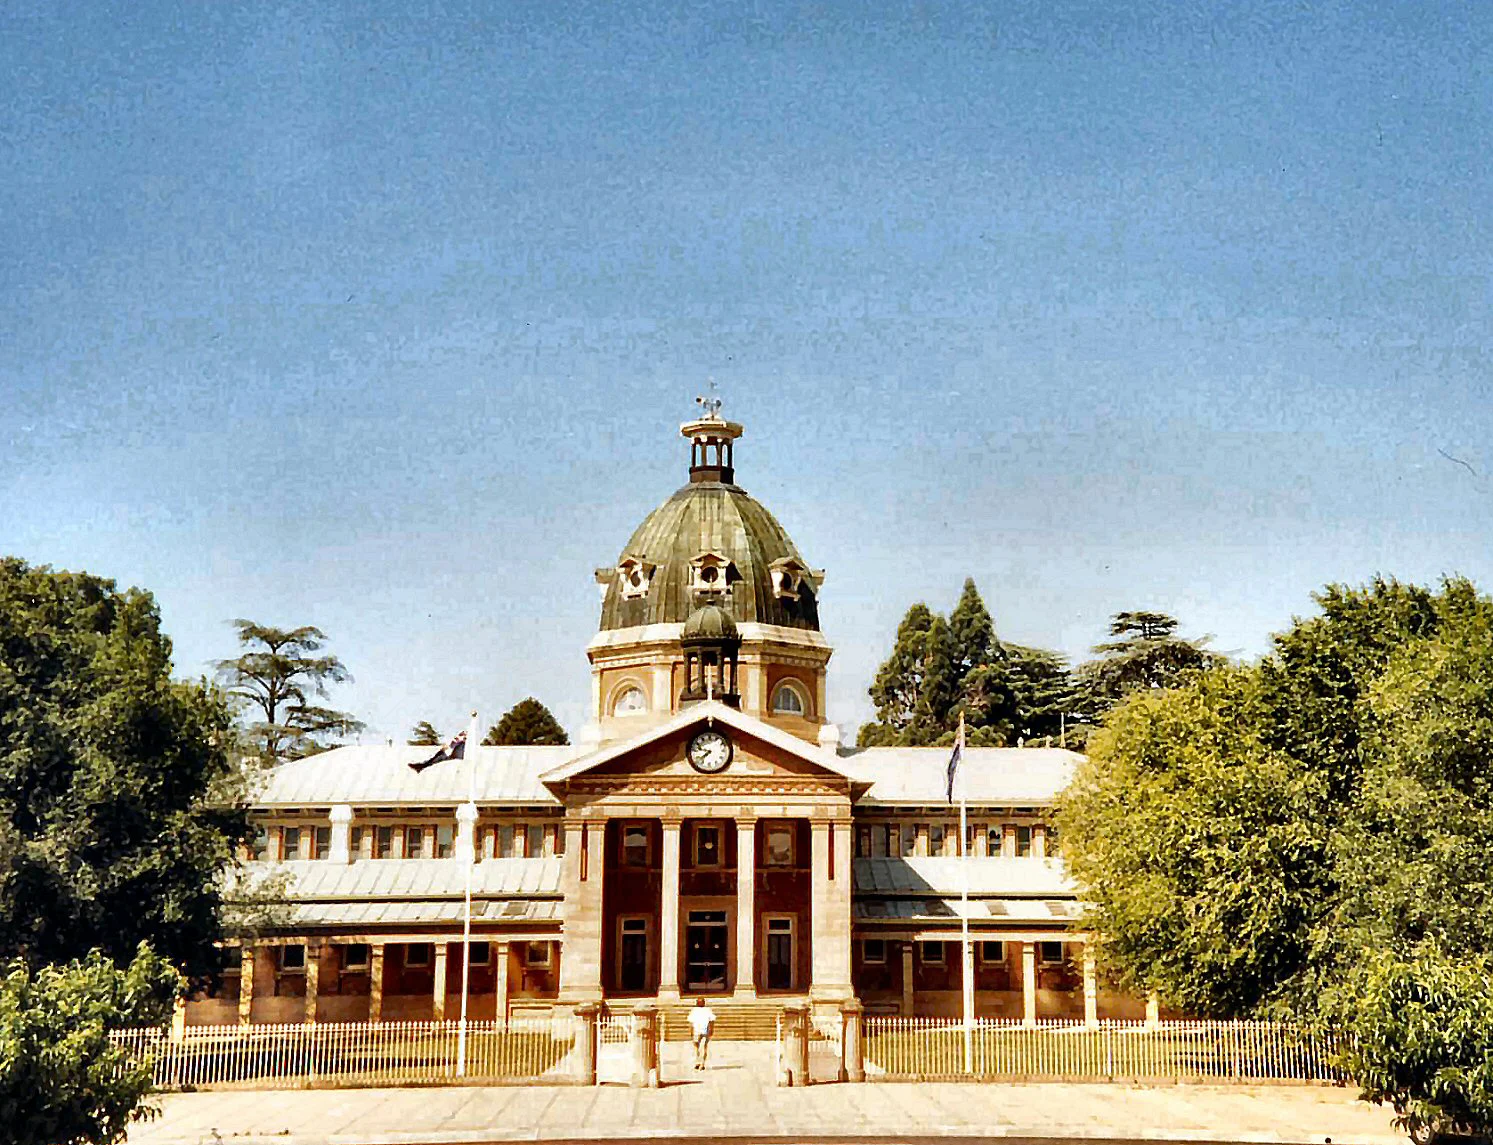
(1009, 1049)
(353, 1053)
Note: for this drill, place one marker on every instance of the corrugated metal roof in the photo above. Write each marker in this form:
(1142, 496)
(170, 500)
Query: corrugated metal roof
(937, 875)
(980, 910)
(414, 913)
(992, 776)
(408, 878)
(370, 776)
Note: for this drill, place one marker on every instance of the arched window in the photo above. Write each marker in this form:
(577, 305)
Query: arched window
(630, 702)
(789, 700)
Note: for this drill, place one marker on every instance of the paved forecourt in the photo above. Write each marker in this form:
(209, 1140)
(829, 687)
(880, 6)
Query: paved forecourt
(736, 1097)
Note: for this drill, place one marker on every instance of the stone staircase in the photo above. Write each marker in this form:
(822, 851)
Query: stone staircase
(735, 1021)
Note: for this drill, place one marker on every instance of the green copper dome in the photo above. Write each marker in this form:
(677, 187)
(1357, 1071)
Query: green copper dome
(710, 622)
(710, 543)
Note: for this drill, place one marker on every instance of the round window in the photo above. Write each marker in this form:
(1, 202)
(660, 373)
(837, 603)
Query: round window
(631, 702)
(788, 700)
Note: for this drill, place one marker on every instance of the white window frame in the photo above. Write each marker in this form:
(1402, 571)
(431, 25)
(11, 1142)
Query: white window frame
(425, 948)
(626, 688)
(1042, 957)
(1002, 960)
(796, 689)
(924, 945)
(767, 932)
(634, 924)
(866, 959)
(348, 964)
(485, 958)
(538, 955)
(285, 949)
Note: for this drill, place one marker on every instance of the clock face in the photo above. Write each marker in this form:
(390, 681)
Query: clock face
(710, 752)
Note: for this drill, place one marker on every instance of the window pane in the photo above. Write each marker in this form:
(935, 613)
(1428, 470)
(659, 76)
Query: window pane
(292, 957)
(635, 846)
(290, 843)
(873, 950)
(261, 842)
(505, 841)
(321, 843)
(383, 843)
(536, 840)
(1023, 841)
(779, 846)
(787, 700)
(443, 842)
(1052, 951)
(355, 956)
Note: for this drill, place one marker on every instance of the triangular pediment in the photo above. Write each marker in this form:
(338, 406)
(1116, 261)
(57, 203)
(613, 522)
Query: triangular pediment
(759, 751)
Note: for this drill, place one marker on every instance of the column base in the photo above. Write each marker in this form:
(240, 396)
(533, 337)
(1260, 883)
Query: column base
(573, 996)
(668, 993)
(744, 994)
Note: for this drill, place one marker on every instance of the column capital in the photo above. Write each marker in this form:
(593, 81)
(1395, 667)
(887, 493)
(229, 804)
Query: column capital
(673, 820)
(745, 818)
(342, 813)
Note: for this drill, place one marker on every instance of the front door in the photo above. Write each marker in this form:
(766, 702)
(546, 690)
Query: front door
(632, 974)
(779, 954)
(705, 950)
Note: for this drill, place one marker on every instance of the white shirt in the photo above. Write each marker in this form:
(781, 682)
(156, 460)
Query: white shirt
(701, 1018)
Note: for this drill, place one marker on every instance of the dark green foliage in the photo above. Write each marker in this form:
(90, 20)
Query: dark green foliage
(1314, 835)
(118, 805)
(1147, 655)
(425, 735)
(527, 722)
(61, 1082)
(1044, 702)
(279, 675)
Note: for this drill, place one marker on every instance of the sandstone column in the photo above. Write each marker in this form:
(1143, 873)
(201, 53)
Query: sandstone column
(908, 1000)
(830, 909)
(465, 848)
(500, 953)
(340, 850)
(246, 986)
(587, 1013)
(1090, 986)
(668, 914)
(313, 979)
(1029, 983)
(580, 965)
(746, 906)
(376, 982)
(438, 987)
(852, 1042)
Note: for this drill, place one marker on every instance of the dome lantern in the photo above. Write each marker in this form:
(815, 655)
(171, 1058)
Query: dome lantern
(711, 645)
(712, 440)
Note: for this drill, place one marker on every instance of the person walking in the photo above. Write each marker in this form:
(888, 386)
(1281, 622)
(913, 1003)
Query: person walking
(701, 1024)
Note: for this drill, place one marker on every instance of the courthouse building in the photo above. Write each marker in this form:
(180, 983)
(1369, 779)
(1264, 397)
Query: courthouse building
(707, 835)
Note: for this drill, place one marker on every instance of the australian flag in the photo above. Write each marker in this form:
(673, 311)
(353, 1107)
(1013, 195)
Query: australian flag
(954, 759)
(455, 748)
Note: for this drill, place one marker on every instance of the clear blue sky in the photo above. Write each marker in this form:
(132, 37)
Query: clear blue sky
(383, 317)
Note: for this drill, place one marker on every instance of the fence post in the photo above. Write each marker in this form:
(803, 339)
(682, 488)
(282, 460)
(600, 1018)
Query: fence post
(645, 1047)
(852, 1044)
(586, 1038)
(795, 1044)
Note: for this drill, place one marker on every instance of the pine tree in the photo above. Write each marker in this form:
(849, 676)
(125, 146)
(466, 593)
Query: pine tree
(424, 735)
(527, 722)
(972, 630)
(939, 690)
(899, 681)
(1148, 654)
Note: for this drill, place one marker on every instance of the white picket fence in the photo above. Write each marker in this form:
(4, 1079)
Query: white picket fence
(354, 1053)
(1009, 1049)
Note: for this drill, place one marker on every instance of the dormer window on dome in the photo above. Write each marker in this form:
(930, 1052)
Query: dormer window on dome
(790, 578)
(634, 577)
(711, 574)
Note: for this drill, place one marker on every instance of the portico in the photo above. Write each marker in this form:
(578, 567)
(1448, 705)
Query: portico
(679, 883)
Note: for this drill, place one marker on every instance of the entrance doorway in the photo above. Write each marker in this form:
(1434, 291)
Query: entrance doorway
(779, 953)
(632, 966)
(705, 950)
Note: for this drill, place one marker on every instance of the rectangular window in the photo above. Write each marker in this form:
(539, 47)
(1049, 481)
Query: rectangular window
(536, 841)
(261, 845)
(634, 844)
(863, 842)
(443, 842)
(505, 841)
(935, 839)
(290, 842)
(481, 954)
(1051, 953)
(293, 959)
(414, 842)
(993, 839)
(231, 958)
(778, 845)
(383, 842)
(930, 953)
(355, 842)
(707, 845)
(909, 833)
(417, 954)
(873, 951)
(537, 954)
(969, 839)
(779, 953)
(321, 842)
(993, 952)
(355, 956)
(1023, 842)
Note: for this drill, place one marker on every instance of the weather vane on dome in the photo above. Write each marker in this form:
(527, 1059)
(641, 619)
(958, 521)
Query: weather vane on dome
(711, 404)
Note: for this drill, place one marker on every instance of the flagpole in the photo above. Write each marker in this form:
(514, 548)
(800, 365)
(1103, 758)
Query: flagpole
(470, 860)
(967, 965)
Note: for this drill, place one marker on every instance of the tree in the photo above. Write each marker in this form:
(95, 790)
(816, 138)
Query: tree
(119, 806)
(424, 735)
(1147, 654)
(279, 675)
(972, 631)
(1314, 836)
(1044, 704)
(899, 681)
(527, 722)
(61, 1081)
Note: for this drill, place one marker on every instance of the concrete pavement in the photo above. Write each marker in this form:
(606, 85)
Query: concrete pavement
(736, 1098)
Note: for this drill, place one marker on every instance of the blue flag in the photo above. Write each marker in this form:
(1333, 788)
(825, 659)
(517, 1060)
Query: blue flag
(954, 765)
(456, 748)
